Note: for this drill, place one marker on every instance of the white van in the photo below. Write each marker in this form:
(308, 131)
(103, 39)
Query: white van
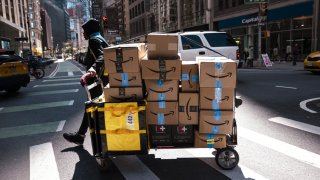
(207, 43)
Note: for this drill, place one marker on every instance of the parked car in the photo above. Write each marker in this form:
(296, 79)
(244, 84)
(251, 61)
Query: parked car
(312, 62)
(14, 71)
(207, 43)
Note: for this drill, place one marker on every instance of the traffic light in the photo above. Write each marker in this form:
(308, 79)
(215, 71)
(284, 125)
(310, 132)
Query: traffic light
(105, 21)
(264, 9)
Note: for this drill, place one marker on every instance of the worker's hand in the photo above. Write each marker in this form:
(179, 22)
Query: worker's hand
(84, 78)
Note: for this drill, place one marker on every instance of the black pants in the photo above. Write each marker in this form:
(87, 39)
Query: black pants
(95, 93)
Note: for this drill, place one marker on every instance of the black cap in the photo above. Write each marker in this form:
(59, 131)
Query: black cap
(91, 26)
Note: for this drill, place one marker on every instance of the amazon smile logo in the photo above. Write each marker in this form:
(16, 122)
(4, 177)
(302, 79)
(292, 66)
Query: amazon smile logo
(167, 114)
(226, 122)
(125, 61)
(169, 90)
(229, 74)
(226, 98)
(172, 69)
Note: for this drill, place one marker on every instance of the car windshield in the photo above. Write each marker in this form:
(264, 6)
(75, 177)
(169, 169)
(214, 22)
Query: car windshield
(9, 58)
(219, 39)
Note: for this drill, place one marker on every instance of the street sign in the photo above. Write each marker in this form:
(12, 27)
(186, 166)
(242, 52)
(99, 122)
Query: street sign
(266, 60)
(255, 1)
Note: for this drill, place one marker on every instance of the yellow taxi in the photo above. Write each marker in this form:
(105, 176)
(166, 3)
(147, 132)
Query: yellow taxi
(14, 72)
(312, 62)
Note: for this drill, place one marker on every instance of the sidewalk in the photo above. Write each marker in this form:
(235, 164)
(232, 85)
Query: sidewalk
(283, 65)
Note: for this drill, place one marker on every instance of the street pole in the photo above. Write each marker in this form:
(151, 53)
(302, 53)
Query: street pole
(259, 37)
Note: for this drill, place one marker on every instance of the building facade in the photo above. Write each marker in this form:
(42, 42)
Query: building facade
(14, 33)
(35, 26)
(47, 39)
(287, 23)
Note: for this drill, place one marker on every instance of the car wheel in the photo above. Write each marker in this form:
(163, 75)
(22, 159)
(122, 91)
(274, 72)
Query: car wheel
(13, 89)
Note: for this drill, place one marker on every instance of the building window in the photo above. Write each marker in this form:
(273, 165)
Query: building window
(227, 4)
(142, 7)
(139, 9)
(1, 8)
(220, 4)
(7, 8)
(240, 2)
(234, 3)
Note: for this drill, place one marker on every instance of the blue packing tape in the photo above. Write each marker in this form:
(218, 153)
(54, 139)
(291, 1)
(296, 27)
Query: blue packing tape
(195, 78)
(125, 80)
(160, 83)
(162, 104)
(217, 115)
(218, 83)
(218, 94)
(215, 104)
(218, 65)
(161, 96)
(161, 119)
(185, 77)
(215, 129)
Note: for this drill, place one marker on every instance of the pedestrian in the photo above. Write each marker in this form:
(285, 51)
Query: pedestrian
(295, 52)
(95, 66)
(246, 55)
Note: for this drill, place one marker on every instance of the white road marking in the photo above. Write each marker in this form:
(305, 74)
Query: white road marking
(286, 87)
(70, 73)
(54, 72)
(295, 124)
(53, 80)
(57, 84)
(59, 77)
(303, 104)
(61, 125)
(132, 168)
(31, 129)
(206, 155)
(29, 107)
(52, 92)
(42, 163)
(297, 153)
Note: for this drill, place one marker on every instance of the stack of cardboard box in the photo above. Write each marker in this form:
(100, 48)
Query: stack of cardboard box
(122, 64)
(161, 71)
(217, 96)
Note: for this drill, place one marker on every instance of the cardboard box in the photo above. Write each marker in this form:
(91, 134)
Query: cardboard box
(217, 98)
(162, 45)
(163, 70)
(162, 113)
(160, 135)
(123, 58)
(216, 122)
(188, 108)
(183, 135)
(220, 73)
(190, 76)
(125, 79)
(129, 94)
(210, 140)
(159, 90)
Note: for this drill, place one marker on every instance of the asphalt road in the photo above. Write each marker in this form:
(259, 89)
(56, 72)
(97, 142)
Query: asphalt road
(278, 132)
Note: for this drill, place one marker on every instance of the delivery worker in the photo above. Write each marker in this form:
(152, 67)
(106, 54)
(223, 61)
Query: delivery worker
(95, 66)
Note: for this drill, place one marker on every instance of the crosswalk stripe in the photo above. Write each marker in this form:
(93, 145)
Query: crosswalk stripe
(42, 163)
(297, 153)
(60, 126)
(59, 77)
(29, 107)
(286, 87)
(70, 73)
(31, 129)
(52, 92)
(53, 80)
(57, 84)
(132, 168)
(295, 124)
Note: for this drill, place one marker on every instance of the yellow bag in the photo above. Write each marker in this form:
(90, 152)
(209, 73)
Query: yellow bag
(124, 129)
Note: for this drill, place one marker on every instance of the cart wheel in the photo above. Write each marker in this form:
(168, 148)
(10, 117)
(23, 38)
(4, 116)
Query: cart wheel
(227, 158)
(103, 163)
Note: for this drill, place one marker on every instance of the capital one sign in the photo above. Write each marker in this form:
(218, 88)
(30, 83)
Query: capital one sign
(253, 20)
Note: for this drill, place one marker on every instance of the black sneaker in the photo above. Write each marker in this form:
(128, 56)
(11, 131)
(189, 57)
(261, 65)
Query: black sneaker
(74, 138)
